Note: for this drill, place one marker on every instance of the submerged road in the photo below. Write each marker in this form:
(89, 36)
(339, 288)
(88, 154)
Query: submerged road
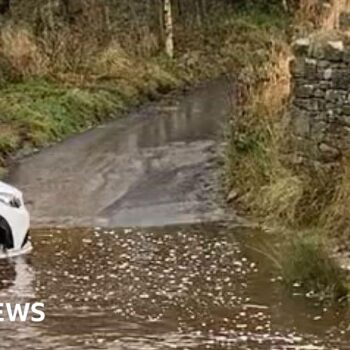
(187, 287)
(198, 286)
(154, 167)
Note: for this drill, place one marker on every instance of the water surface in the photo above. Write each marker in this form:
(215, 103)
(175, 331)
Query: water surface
(155, 167)
(186, 287)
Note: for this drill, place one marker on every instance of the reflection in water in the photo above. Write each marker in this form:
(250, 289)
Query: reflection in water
(16, 279)
(7, 275)
(146, 169)
(194, 287)
(17, 287)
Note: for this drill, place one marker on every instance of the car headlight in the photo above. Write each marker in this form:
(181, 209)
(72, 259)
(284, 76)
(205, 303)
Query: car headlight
(10, 200)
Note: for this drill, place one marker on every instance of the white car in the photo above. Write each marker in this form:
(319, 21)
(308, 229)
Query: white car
(14, 222)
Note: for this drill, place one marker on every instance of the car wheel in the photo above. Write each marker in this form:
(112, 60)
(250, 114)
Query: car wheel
(6, 238)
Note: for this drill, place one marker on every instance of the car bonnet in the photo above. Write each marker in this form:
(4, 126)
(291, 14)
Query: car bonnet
(6, 188)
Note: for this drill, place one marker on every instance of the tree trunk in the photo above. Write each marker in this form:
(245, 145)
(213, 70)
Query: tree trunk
(169, 30)
(160, 14)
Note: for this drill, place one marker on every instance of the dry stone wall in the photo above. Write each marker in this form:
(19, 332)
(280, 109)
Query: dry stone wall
(320, 107)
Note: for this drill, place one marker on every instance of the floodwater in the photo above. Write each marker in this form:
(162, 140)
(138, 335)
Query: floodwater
(188, 287)
(190, 283)
(158, 166)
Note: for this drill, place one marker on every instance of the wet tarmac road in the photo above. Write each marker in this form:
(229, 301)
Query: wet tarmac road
(189, 287)
(157, 166)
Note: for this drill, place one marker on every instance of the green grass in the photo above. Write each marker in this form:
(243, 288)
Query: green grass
(305, 260)
(39, 112)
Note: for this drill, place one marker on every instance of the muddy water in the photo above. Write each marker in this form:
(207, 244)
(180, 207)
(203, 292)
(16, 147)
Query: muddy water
(155, 167)
(189, 287)
(184, 287)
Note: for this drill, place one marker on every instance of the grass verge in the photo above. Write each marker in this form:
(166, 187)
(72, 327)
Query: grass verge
(306, 207)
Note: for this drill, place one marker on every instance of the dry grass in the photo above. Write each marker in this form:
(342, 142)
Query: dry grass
(313, 14)
(300, 204)
(290, 202)
(336, 219)
(46, 56)
(278, 201)
(18, 46)
(66, 52)
(257, 131)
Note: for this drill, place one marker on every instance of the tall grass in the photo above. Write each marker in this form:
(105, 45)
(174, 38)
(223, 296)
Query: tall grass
(305, 261)
(304, 205)
(335, 218)
(19, 49)
(257, 132)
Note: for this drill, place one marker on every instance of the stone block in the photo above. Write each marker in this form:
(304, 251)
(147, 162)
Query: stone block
(308, 104)
(346, 56)
(301, 46)
(319, 93)
(324, 85)
(327, 73)
(331, 95)
(345, 120)
(322, 64)
(341, 80)
(346, 110)
(304, 91)
(334, 50)
(310, 69)
(296, 67)
(318, 130)
(304, 67)
(320, 116)
(300, 123)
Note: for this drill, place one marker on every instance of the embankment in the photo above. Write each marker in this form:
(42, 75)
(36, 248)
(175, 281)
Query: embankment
(287, 163)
